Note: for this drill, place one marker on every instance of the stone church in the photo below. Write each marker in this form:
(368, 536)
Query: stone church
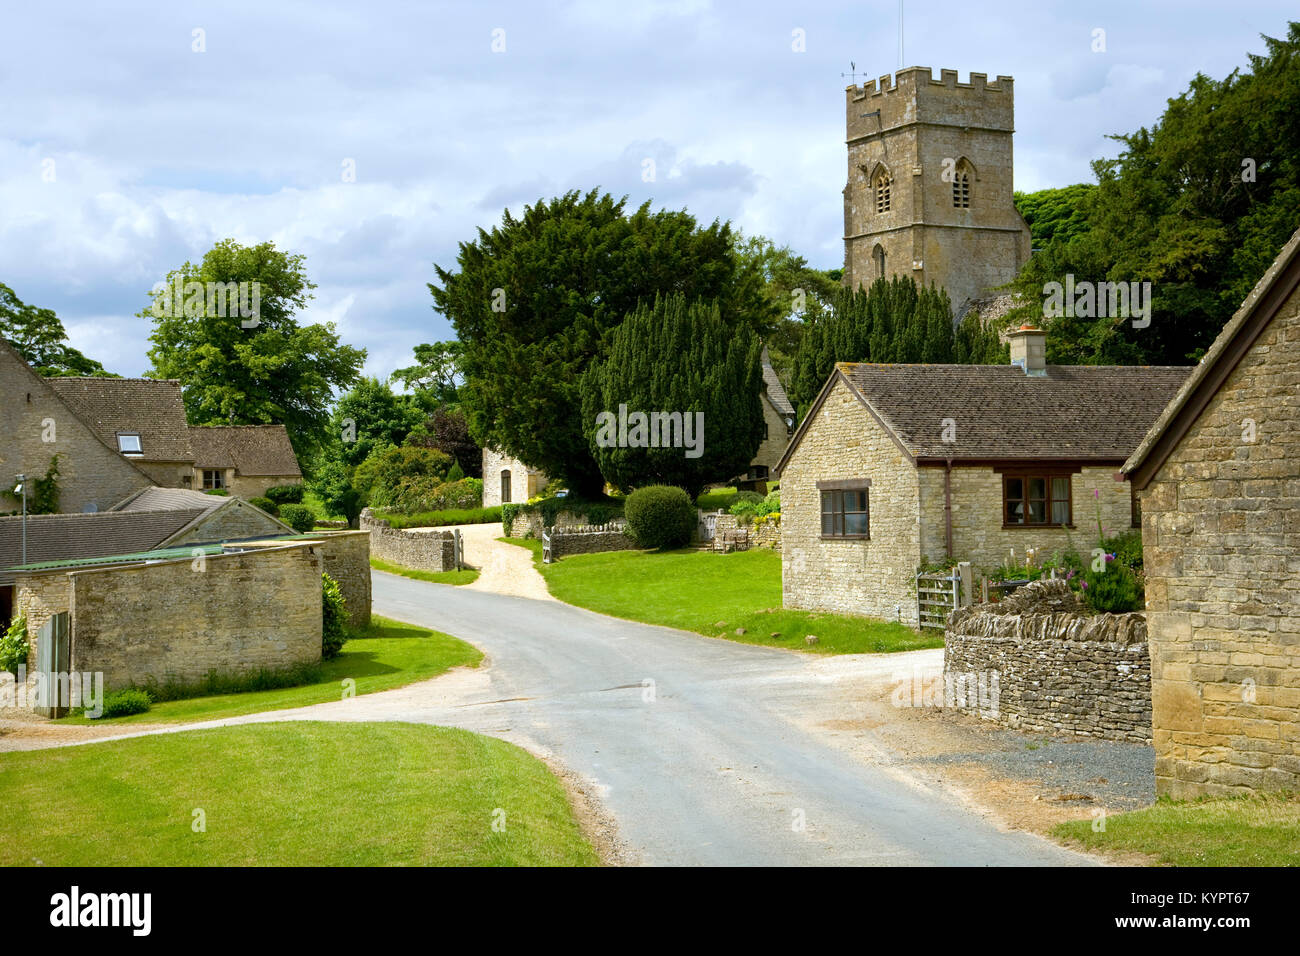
(929, 190)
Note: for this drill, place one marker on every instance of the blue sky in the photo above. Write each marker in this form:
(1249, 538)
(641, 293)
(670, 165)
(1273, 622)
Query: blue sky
(158, 151)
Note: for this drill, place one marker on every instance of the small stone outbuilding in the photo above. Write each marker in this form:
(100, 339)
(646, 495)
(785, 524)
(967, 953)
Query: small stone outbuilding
(1218, 476)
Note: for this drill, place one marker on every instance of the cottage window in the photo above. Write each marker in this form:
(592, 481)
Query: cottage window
(1042, 499)
(213, 478)
(846, 510)
(128, 443)
(505, 486)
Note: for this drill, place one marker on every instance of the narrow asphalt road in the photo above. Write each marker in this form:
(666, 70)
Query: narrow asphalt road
(683, 737)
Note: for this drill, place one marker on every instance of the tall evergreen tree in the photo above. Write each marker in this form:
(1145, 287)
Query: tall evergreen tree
(681, 359)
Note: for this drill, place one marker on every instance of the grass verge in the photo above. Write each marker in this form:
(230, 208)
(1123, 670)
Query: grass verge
(715, 595)
(287, 794)
(466, 576)
(1256, 830)
(390, 655)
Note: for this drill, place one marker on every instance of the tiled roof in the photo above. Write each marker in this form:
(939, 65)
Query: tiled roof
(169, 499)
(999, 412)
(249, 449)
(150, 407)
(775, 390)
(63, 537)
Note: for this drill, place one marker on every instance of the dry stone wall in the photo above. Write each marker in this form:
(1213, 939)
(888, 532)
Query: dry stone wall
(419, 549)
(590, 540)
(1056, 669)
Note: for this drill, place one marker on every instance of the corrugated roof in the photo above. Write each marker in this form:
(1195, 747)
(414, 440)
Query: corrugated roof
(249, 449)
(151, 408)
(64, 537)
(999, 412)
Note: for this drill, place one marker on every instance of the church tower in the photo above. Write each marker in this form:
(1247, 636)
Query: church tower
(929, 184)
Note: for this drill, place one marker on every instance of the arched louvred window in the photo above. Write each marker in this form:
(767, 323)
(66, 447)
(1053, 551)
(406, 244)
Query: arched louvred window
(881, 184)
(962, 177)
(878, 256)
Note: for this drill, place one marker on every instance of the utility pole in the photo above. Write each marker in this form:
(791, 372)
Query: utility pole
(22, 489)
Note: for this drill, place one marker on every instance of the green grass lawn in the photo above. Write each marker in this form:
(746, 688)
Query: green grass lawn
(466, 576)
(716, 498)
(714, 594)
(288, 794)
(1260, 830)
(389, 655)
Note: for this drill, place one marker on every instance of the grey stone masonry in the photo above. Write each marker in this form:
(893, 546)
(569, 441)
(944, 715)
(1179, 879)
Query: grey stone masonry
(1056, 669)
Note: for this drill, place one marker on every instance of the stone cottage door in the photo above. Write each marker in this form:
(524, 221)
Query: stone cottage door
(54, 658)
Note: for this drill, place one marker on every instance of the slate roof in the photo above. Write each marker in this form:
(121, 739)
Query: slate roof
(1077, 412)
(775, 390)
(249, 449)
(62, 537)
(169, 499)
(150, 407)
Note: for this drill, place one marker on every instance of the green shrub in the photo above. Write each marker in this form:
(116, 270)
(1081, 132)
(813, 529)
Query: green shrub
(334, 633)
(266, 504)
(436, 519)
(380, 476)
(660, 516)
(1116, 589)
(285, 494)
(241, 682)
(120, 703)
(592, 512)
(14, 646)
(455, 473)
(298, 517)
(428, 493)
(219, 492)
(715, 500)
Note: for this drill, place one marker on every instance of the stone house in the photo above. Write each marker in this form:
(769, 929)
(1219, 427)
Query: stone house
(897, 465)
(507, 479)
(36, 424)
(1218, 476)
(243, 459)
(778, 424)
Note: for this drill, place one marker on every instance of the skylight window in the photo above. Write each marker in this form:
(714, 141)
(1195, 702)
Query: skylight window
(129, 444)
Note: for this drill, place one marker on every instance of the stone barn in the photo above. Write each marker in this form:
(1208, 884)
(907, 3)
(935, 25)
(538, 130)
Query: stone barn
(1218, 478)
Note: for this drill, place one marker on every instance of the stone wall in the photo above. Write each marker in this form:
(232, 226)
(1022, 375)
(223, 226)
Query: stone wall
(1058, 669)
(585, 540)
(525, 524)
(762, 534)
(91, 474)
(777, 439)
(876, 576)
(1221, 535)
(418, 548)
(346, 557)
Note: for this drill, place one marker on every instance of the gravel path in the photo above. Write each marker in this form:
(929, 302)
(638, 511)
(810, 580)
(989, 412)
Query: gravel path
(503, 568)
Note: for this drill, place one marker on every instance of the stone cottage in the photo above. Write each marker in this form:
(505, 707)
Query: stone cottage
(1218, 476)
(896, 465)
(507, 479)
(778, 424)
(243, 459)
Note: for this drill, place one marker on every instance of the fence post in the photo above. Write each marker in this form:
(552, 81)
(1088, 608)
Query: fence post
(967, 584)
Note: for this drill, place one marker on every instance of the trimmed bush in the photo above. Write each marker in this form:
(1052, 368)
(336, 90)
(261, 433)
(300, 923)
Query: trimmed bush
(121, 703)
(219, 492)
(298, 517)
(266, 504)
(435, 519)
(333, 632)
(285, 494)
(660, 516)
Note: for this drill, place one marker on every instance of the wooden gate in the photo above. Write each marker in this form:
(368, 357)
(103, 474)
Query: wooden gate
(53, 662)
(937, 595)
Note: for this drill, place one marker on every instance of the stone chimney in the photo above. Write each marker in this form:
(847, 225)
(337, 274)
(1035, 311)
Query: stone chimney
(1029, 349)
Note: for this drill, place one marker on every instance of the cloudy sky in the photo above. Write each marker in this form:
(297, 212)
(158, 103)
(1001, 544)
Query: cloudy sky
(157, 149)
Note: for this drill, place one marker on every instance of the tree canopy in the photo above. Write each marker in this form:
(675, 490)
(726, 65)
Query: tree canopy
(1198, 205)
(700, 376)
(237, 370)
(533, 300)
(39, 337)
